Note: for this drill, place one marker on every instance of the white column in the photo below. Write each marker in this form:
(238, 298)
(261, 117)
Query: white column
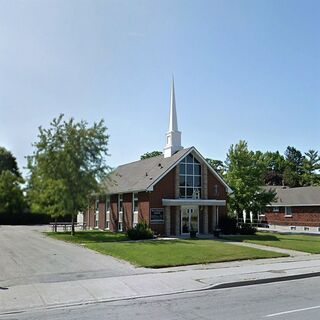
(167, 220)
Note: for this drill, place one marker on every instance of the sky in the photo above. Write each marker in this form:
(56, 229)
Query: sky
(243, 69)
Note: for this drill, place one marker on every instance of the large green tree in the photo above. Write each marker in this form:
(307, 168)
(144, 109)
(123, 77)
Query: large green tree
(311, 166)
(11, 196)
(293, 173)
(275, 164)
(8, 162)
(245, 176)
(217, 165)
(67, 165)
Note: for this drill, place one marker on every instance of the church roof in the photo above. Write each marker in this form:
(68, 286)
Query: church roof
(144, 174)
(302, 196)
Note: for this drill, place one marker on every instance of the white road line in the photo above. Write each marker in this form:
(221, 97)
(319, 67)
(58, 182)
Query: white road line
(291, 311)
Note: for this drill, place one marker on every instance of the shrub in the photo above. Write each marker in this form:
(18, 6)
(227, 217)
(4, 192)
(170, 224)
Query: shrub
(246, 229)
(140, 231)
(228, 225)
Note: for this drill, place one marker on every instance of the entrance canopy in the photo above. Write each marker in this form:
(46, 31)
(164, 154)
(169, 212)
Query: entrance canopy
(194, 202)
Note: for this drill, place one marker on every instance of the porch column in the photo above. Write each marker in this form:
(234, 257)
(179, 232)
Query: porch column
(167, 220)
(177, 216)
(205, 220)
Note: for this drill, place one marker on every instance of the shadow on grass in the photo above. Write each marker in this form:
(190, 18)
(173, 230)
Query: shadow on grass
(252, 237)
(89, 236)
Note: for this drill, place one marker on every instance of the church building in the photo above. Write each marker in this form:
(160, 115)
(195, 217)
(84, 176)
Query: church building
(174, 193)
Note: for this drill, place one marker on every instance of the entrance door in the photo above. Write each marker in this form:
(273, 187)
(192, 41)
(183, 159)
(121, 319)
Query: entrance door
(189, 219)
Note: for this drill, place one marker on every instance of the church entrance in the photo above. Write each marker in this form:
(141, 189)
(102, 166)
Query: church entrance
(189, 219)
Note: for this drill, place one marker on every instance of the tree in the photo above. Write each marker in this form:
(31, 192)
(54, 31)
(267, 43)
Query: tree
(11, 196)
(217, 166)
(311, 165)
(276, 165)
(8, 162)
(245, 176)
(150, 154)
(294, 167)
(67, 165)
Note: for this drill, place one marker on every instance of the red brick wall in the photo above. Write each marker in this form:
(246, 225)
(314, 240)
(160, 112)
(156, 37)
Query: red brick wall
(114, 212)
(301, 216)
(127, 214)
(102, 215)
(164, 189)
(143, 200)
(212, 181)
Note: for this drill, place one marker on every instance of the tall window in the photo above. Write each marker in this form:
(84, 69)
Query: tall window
(108, 212)
(135, 212)
(120, 212)
(190, 178)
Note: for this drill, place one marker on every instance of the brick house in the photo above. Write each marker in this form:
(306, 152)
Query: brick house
(296, 209)
(173, 193)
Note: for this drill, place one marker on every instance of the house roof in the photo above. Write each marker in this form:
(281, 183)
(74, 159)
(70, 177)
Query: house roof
(303, 196)
(142, 175)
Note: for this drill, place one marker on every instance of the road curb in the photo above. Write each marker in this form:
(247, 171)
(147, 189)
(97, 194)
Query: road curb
(235, 284)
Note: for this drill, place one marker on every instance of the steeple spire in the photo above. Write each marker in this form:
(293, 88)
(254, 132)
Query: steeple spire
(173, 136)
(173, 123)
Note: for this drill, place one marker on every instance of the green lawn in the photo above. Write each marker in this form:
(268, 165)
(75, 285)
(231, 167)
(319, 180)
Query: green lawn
(304, 243)
(163, 253)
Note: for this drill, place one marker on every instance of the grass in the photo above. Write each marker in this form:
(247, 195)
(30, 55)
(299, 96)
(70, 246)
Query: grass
(305, 243)
(163, 253)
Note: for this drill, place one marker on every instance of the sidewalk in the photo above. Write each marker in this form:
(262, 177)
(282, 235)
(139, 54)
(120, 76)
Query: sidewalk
(159, 282)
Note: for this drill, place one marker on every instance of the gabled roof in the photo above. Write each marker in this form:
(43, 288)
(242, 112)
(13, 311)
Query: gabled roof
(144, 174)
(303, 196)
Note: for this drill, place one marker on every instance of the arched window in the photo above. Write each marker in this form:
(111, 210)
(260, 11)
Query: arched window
(190, 178)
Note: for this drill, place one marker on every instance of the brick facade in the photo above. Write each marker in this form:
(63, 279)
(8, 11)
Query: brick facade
(166, 188)
(300, 216)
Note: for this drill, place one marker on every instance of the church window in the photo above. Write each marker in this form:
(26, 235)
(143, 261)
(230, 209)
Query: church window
(190, 178)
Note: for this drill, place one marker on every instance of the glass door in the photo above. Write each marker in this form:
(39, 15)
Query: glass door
(189, 220)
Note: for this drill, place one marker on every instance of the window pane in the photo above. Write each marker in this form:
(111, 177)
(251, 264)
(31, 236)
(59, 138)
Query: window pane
(182, 192)
(196, 161)
(189, 168)
(183, 160)
(197, 169)
(189, 158)
(197, 182)
(182, 181)
(135, 205)
(189, 192)
(182, 168)
(189, 181)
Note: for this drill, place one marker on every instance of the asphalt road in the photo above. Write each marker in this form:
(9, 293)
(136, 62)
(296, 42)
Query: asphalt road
(28, 257)
(294, 300)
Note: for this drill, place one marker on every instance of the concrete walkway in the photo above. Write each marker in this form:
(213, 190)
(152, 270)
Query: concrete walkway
(291, 253)
(128, 282)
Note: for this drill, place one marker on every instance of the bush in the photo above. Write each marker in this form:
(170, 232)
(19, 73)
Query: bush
(228, 225)
(246, 229)
(140, 231)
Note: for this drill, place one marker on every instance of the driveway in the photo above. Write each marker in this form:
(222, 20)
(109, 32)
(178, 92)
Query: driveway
(27, 256)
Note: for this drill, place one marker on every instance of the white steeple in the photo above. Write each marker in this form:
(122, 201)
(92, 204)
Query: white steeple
(173, 136)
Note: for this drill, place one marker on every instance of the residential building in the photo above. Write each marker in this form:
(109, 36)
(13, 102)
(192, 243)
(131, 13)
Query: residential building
(294, 209)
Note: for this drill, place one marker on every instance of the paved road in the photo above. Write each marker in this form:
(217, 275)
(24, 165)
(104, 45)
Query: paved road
(294, 300)
(27, 257)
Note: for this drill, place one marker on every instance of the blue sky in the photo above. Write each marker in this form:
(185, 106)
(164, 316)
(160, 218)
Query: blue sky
(243, 70)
